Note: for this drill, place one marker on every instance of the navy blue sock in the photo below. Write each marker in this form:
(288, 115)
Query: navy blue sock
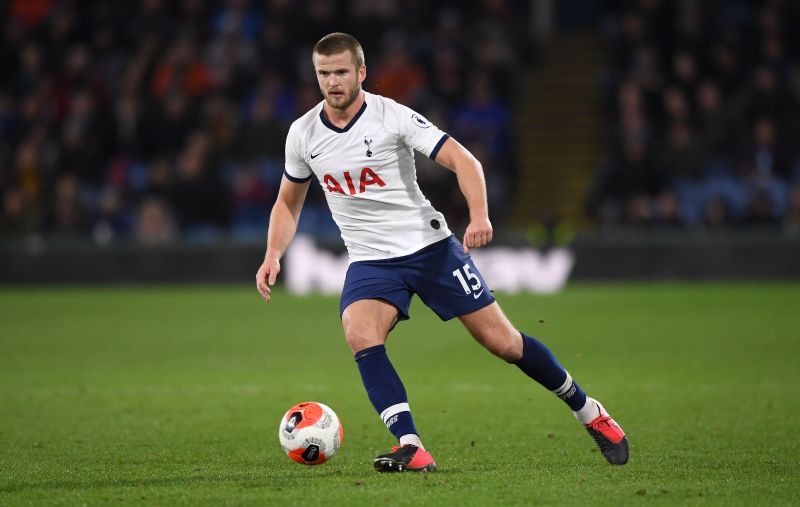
(385, 390)
(538, 363)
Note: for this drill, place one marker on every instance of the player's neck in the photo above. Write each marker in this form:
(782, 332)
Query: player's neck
(341, 117)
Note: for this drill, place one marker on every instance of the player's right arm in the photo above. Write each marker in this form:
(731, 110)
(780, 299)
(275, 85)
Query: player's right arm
(286, 211)
(282, 227)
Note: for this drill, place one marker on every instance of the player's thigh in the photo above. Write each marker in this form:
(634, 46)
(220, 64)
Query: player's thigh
(492, 329)
(367, 323)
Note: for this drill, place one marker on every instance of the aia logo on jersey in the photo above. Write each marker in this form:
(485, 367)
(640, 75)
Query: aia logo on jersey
(368, 177)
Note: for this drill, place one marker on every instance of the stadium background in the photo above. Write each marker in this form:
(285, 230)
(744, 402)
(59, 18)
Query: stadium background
(658, 139)
(141, 145)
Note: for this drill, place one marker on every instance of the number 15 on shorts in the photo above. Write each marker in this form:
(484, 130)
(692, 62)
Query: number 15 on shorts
(464, 274)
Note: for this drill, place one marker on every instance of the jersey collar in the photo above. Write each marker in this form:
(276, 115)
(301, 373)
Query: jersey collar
(346, 127)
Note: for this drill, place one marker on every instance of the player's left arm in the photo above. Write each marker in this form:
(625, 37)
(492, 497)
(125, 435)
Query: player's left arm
(472, 183)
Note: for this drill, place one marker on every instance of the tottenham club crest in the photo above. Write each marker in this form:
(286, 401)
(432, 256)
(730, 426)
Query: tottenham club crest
(368, 142)
(419, 121)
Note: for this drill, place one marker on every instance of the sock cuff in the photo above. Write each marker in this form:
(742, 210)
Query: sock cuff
(375, 349)
(565, 387)
(393, 411)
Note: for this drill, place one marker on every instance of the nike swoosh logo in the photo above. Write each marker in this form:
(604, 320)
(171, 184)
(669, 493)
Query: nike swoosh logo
(314, 156)
(477, 295)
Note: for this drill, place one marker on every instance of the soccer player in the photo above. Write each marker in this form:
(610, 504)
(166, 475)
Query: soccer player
(360, 147)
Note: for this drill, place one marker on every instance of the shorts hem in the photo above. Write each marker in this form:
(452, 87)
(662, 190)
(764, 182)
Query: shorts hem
(471, 310)
(401, 314)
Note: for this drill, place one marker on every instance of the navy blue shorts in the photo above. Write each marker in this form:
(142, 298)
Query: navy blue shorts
(441, 274)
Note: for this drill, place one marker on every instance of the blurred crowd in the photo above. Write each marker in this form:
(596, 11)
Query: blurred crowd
(704, 108)
(153, 120)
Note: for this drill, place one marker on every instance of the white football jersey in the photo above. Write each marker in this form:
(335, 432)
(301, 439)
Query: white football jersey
(367, 172)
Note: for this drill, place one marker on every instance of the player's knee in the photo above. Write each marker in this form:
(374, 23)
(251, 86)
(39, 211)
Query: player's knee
(504, 342)
(358, 339)
(508, 353)
(510, 348)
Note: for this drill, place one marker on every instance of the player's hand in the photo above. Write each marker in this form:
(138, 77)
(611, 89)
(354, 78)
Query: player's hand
(266, 276)
(478, 233)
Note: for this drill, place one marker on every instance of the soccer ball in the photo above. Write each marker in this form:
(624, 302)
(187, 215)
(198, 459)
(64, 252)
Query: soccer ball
(310, 433)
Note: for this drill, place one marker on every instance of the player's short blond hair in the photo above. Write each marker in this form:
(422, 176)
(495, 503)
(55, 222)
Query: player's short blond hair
(338, 42)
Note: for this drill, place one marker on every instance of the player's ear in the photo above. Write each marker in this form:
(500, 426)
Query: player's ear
(362, 73)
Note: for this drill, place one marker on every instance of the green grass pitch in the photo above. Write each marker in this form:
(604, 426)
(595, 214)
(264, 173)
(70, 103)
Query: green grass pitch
(172, 395)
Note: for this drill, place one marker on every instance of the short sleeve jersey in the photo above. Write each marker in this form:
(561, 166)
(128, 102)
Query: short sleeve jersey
(367, 172)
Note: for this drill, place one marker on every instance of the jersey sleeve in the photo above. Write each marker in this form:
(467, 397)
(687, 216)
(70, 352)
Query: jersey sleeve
(296, 168)
(417, 132)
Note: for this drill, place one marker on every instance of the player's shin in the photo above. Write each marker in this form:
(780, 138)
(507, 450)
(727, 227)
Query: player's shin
(387, 393)
(538, 363)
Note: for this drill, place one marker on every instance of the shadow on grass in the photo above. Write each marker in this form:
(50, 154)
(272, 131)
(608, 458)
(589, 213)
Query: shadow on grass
(276, 479)
(243, 480)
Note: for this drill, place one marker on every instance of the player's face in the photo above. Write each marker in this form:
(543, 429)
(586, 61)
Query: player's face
(339, 79)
